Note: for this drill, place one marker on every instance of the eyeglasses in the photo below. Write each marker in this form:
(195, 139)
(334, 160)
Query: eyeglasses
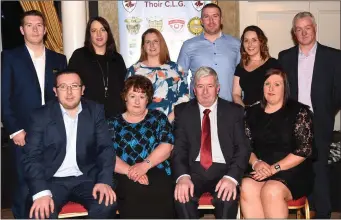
(64, 87)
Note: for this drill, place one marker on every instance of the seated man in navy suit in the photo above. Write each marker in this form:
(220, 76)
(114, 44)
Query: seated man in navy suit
(68, 154)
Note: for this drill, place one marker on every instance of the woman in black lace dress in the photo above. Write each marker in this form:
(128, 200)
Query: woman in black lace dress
(280, 131)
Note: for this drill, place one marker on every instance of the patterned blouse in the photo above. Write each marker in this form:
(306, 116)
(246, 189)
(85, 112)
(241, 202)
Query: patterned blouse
(169, 83)
(134, 142)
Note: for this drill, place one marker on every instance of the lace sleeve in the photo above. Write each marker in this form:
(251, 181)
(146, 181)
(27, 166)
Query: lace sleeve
(303, 132)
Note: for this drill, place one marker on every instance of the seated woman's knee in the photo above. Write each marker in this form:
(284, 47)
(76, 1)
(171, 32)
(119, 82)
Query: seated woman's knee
(273, 189)
(248, 189)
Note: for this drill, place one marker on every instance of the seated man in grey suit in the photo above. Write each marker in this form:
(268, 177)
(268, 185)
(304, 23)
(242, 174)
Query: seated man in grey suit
(68, 154)
(211, 150)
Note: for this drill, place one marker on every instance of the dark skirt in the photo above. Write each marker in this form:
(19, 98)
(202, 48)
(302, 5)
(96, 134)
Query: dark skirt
(299, 180)
(136, 201)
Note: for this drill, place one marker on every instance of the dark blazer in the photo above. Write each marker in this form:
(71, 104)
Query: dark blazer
(20, 89)
(88, 64)
(46, 145)
(233, 141)
(325, 88)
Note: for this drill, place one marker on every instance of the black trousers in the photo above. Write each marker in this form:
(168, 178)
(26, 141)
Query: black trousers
(321, 192)
(78, 189)
(206, 181)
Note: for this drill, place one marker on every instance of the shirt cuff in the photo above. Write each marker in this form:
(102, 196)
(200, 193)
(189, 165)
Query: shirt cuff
(231, 178)
(182, 176)
(41, 194)
(15, 133)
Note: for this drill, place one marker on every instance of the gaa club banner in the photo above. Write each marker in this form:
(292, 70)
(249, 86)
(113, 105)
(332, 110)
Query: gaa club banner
(176, 20)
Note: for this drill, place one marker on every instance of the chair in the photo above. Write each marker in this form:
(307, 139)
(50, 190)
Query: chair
(298, 205)
(72, 209)
(205, 202)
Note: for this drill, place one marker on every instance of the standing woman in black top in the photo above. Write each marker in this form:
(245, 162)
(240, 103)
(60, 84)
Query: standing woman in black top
(255, 62)
(102, 69)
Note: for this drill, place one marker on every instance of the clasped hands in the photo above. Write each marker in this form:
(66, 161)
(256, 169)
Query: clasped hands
(138, 173)
(184, 188)
(43, 206)
(262, 170)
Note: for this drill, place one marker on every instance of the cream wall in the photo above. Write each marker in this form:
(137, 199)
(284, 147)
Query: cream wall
(230, 12)
(109, 11)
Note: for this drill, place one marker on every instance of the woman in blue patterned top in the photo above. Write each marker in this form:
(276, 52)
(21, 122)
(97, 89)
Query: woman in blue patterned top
(143, 141)
(170, 84)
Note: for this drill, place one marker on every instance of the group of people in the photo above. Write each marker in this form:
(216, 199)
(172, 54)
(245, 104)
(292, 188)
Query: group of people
(248, 128)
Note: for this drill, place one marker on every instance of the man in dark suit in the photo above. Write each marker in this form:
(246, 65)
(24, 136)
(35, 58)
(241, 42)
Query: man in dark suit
(314, 74)
(27, 80)
(211, 150)
(69, 153)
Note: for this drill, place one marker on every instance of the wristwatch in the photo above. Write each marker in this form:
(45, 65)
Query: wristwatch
(277, 167)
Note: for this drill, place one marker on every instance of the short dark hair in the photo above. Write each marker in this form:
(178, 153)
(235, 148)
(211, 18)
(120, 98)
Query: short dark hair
(264, 49)
(281, 73)
(140, 84)
(65, 72)
(211, 5)
(31, 13)
(110, 45)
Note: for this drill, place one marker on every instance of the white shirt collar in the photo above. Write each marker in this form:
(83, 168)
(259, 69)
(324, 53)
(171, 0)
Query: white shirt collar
(80, 108)
(212, 107)
(312, 51)
(31, 52)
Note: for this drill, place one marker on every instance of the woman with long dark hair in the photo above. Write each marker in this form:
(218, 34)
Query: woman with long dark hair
(102, 69)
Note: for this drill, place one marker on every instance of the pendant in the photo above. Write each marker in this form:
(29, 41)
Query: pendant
(106, 91)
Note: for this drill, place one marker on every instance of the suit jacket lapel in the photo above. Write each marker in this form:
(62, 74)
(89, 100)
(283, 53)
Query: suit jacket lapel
(83, 126)
(47, 66)
(58, 117)
(32, 71)
(220, 124)
(316, 71)
(196, 127)
(295, 71)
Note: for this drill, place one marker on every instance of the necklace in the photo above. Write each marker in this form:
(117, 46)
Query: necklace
(105, 78)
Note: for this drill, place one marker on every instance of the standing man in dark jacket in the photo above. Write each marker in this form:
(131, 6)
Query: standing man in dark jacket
(314, 74)
(27, 79)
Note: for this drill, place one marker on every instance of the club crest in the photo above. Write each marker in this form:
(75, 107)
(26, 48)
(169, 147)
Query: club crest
(129, 6)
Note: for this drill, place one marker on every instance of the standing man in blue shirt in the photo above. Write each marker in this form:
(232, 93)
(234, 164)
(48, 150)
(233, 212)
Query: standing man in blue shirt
(212, 48)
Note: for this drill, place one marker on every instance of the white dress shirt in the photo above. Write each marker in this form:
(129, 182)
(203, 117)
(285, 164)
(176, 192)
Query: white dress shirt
(39, 66)
(305, 75)
(217, 154)
(69, 166)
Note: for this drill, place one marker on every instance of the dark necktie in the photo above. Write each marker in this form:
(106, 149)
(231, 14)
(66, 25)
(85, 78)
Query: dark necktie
(206, 148)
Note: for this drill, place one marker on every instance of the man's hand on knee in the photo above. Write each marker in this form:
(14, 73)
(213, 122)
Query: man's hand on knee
(106, 191)
(183, 188)
(42, 207)
(226, 189)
